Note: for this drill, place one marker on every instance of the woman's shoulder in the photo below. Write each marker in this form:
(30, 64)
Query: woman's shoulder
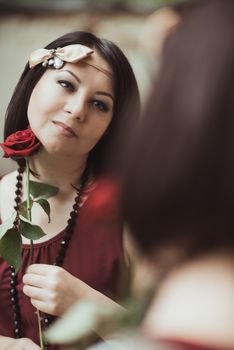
(7, 193)
(8, 181)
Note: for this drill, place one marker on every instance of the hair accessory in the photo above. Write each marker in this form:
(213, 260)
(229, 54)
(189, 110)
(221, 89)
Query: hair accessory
(56, 58)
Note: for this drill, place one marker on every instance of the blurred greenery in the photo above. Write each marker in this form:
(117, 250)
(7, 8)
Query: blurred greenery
(86, 319)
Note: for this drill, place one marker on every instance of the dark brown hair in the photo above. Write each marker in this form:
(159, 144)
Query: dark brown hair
(125, 91)
(179, 184)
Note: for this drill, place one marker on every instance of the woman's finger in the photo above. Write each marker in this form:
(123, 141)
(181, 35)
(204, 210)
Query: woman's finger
(48, 308)
(41, 306)
(36, 293)
(34, 280)
(42, 269)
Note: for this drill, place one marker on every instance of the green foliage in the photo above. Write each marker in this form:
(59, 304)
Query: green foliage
(10, 247)
(39, 193)
(6, 225)
(10, 242)
(40, 190)
(10, 237)
(23, 208)
(30, 231)
(86, 317)
(45, 206)
(79, 322)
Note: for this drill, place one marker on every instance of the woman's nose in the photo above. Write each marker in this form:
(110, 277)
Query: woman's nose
(76, 110)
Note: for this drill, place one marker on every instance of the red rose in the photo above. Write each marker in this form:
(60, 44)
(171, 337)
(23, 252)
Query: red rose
(20, 144)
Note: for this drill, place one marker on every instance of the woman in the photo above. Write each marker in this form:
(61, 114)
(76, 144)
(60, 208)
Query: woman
(179, 202)
(73, 98)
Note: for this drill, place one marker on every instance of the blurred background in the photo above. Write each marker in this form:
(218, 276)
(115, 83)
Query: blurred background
(26, 25)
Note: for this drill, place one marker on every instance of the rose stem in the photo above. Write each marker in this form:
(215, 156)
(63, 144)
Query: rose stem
(29, 214)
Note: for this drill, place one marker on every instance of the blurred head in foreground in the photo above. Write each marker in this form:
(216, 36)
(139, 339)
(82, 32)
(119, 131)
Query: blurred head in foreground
(179, 189)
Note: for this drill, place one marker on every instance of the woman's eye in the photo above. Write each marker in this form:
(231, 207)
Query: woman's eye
(101, 106)
(66, 85)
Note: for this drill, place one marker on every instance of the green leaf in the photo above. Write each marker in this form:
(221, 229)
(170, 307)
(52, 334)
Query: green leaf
(23, 208)
(10, 248)
(6, 225)
(41, 190)
(45, 206)
(30, 231)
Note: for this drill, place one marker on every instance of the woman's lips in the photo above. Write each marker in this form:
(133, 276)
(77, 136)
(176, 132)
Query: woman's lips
(64, 129)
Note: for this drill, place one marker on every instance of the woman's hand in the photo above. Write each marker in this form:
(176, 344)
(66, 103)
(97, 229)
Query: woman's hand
(52, 289)
(7, 343)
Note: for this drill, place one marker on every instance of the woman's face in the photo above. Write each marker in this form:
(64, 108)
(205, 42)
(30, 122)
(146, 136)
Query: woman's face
(70, 109)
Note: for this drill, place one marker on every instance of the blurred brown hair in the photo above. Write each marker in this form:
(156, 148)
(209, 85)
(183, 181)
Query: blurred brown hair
(179, 181)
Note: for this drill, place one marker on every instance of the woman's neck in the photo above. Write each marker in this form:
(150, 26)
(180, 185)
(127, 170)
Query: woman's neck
(58, 171)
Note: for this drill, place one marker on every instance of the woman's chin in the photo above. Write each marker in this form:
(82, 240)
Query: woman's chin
(56, 150)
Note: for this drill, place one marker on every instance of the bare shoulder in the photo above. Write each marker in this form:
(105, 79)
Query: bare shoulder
(7, 194)
(7, 182)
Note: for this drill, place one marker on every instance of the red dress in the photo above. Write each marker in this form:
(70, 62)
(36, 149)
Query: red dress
(94, 255)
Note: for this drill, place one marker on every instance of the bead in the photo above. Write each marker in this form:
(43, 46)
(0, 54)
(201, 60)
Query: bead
(73, 215)
(70, 222)
(16, 315)
(58, 261)
(15, 307)
(19, 185)
(16, 322)
(21, 170)
(17, 192)
(17, 200)
(50, 61)
(67, 234)
(75, 206)
(13, 283)
(61, 253)
(19, 177)
(77, 199)
(58, 63)
(13, 291)
(16, 331)
(64, 243)
(46, 320)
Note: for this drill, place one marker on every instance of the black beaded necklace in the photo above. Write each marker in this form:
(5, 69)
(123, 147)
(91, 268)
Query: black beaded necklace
(18, 331)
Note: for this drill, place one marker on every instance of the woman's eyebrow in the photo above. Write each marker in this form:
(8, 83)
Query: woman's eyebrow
(105, 94)
(73, 74)
(79, 81)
